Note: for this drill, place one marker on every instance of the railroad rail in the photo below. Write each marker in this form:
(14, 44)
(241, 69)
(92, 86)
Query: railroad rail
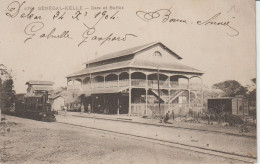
(170, 126)
(227, 155)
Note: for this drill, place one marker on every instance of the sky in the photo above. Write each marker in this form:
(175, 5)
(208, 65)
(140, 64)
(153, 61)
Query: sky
(222, 52)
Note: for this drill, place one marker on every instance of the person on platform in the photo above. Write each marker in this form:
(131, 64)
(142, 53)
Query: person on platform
(82, 108)
(65, 110)
(89, 108)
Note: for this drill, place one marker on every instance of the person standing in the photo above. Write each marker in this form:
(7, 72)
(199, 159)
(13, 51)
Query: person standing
(82, 108)
(172, 115)
(167, 117)
(89, 108)
(65, 109)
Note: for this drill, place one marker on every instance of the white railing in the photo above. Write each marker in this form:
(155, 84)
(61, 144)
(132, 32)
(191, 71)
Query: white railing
(74, 87)
(195, 86)
(109, 84)
(136, 83)
(154, 84)
(174, 84)
(123, 83)
(86, 86)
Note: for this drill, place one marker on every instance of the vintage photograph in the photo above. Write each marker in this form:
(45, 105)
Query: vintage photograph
(128, 82)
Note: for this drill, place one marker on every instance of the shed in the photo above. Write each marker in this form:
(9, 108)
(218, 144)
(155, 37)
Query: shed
(234, 105)
(57, 102)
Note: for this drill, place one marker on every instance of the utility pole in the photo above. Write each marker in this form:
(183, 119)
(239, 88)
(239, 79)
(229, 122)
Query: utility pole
(158, 82)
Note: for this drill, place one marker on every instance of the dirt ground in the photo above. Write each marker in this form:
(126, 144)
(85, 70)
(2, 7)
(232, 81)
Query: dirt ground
(29, 141)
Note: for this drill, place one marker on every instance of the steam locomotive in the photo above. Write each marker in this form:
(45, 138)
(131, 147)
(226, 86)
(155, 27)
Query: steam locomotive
(34, 107)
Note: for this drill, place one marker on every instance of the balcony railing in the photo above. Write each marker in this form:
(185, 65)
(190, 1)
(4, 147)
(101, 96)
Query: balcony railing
(74, 87)
(135, 83)
(138, 83)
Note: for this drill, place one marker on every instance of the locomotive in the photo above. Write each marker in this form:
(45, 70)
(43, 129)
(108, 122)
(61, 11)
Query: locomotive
(34, 107)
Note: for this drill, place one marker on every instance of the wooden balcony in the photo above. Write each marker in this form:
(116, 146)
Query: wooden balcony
(74, 87)
(139, 83)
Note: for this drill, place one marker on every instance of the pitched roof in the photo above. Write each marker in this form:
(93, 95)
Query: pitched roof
(130, 51)
(136, 64)
(118, 65)
(42, 88)
(164, 66)
(37, 82)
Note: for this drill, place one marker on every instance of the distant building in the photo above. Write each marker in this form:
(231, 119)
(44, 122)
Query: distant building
(39, 87)
(136, 81)
(233, 105)
(57, 102)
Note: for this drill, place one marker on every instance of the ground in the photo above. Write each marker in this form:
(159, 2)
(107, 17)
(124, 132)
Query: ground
(29, 141)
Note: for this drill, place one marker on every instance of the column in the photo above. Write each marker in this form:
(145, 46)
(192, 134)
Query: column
(130, 94)
(189, 92)
(146, 94)
(92, 103)
(118, 103)
(169, 94)
(81, 83)
(169, 81)
(104, 81)
(90, 80)
(118, 80)
(202, 94)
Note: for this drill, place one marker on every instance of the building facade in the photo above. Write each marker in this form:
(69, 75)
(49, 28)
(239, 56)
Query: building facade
(144, 80)
(36, 87)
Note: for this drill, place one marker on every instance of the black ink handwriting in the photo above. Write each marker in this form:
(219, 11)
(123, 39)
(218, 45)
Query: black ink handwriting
(212, 21)
(164, 14)
(13, 9)
(33, 29)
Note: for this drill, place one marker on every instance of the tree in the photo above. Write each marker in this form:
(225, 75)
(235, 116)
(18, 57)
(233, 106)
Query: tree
(7, 94)
(231, 88)
(252, 99)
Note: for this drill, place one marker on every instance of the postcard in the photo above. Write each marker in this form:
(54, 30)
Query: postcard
(121, 81)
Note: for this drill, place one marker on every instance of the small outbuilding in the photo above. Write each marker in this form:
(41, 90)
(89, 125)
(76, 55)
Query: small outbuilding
(234, 105)
(57, 102)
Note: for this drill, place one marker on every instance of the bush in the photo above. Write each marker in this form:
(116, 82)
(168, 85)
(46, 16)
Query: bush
(233, 119)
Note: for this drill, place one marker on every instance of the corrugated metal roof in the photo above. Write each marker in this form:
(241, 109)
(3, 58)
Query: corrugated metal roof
(118, 65)
(136, 64)
(129, 51)
(38, 82)
(164, 66)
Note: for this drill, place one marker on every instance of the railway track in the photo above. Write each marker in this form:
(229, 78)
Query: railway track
(171, 126)
(227, 155)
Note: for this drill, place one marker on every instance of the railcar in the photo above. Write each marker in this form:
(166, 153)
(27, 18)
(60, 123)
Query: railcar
(35, 107)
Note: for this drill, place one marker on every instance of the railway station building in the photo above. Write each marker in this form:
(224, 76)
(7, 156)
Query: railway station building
(143, 80)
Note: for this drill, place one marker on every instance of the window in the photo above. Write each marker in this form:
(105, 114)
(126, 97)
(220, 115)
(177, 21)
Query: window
(157, 54)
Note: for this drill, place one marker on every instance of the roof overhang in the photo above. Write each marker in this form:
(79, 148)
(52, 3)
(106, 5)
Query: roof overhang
(104, 91)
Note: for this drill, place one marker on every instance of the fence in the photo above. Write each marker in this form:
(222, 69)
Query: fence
(153, 109)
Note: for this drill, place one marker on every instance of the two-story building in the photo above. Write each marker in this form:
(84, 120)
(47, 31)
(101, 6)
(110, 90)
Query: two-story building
(143, 80)
(36, 87)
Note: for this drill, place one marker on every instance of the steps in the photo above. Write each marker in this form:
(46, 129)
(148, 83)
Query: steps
(165, 97)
